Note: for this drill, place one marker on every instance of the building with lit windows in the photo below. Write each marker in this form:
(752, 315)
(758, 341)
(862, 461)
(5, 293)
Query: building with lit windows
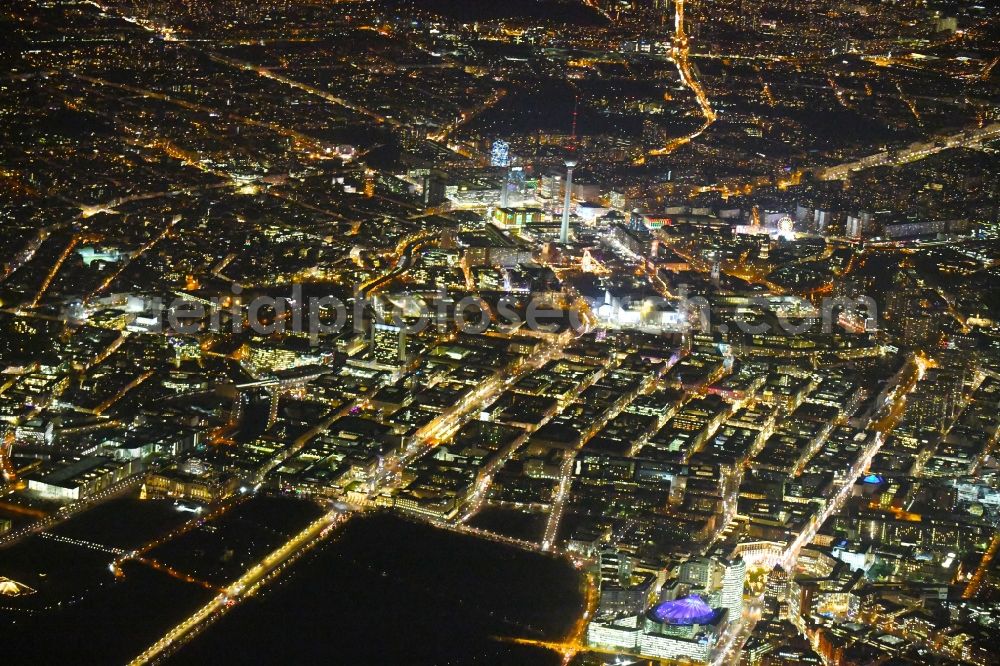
(388, 345)
(191, 482)
(718, 579)
(685, 628)
(517, 217)
(776, 587)
(624, 592)
(77, 478)
(734, 577)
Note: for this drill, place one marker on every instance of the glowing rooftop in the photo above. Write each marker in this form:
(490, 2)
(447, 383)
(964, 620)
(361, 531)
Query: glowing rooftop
(687, 610)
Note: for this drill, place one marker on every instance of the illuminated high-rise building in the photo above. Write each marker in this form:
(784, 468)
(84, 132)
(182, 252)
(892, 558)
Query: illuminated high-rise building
(718, 578)
(616, 565)
(698, 573)
(389, 345)
(734, 576)
(500, 154)
(776, 590)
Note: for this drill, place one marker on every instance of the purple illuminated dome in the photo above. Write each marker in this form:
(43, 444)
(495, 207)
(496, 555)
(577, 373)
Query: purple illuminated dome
(688, 610)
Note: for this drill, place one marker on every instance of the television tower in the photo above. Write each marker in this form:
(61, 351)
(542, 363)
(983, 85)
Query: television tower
(571, 162)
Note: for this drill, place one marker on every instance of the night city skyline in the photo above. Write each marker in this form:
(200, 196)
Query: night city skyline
(540, 333)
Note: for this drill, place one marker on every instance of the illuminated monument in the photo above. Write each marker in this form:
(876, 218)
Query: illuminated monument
(571, 163)
(564, 230)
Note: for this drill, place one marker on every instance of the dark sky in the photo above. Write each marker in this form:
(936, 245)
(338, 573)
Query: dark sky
(568, 11)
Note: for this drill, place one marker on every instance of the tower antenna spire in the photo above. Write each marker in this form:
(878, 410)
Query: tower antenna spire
(571, 161)
(572, 135)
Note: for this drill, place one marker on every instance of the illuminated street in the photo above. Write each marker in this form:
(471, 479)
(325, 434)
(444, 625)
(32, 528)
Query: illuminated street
(658, 331)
